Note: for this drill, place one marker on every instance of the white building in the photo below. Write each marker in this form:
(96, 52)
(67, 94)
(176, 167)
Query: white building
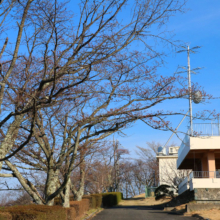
(168, 173)
(201, 154)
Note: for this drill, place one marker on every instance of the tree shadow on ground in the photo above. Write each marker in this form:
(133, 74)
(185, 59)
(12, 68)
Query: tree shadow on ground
(155, 208)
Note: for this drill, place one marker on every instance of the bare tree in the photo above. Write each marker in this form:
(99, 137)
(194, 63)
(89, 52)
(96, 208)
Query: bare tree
(74, 82)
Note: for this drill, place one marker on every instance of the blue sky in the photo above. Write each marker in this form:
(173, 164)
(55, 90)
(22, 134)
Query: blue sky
(199, 26)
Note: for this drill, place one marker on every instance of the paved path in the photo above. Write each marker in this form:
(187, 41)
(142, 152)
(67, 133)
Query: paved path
(138, 213)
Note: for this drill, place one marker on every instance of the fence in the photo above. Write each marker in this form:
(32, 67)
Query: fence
(206, 129)
(204, 174)
(149, 191)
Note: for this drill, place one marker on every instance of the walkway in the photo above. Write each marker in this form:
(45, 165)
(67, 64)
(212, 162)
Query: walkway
(137, 212)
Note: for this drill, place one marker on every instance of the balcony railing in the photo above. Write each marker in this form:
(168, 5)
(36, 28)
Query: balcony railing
(206, 129)
(204, 174)
(200, 129)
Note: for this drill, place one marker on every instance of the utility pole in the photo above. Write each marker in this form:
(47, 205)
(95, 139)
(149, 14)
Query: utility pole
(190, 92)
(116, 164)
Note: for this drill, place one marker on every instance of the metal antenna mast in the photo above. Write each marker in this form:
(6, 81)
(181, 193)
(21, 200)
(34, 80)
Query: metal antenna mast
(198, 95)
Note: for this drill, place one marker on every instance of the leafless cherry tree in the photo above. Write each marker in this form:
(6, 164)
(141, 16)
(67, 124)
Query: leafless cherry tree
(68, 78)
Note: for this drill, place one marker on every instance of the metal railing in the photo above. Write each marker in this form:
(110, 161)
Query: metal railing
(200, 129)
(206, 129)
(204, 174)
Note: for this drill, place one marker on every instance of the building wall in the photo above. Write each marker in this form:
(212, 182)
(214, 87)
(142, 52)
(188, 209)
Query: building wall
(196, 183)
(168, 173)
(201, 143)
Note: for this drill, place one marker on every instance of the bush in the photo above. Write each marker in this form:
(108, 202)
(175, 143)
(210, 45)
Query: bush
(111, 199)
(80, 206)
(92, 201)
(162, 191)
(98, 198)
(38, 212)
(76, 210)
(5, 216)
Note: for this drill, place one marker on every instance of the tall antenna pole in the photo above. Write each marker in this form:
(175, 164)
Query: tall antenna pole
(190, 93)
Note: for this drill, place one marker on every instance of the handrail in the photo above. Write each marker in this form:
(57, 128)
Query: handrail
(204, 174)
(206, 129)
(200, 129)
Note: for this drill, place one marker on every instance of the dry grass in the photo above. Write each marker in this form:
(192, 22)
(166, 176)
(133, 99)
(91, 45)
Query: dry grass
(141, 201)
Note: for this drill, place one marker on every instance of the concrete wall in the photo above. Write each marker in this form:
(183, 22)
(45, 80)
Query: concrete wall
(201, 143)
(199, 183)
(205, 194)
(167, 170)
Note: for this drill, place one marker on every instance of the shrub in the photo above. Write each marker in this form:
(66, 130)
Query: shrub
(98, 198)
(5, 216)
(111, 199)
(39, 212)
(92, 201)
(163, 191)
(80, 206)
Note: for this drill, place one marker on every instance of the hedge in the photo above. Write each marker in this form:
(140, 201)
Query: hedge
(92, 201)
(111, 199)
(76, 210)
(37, 212)
(98, 198)
(80, 206)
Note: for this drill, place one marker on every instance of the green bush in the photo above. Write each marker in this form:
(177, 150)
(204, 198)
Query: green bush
(98, 198)
(111, 198)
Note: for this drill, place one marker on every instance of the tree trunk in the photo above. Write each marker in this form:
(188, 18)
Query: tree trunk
(66, 199)
(27, 185)
(51, 185)
(79, 194)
